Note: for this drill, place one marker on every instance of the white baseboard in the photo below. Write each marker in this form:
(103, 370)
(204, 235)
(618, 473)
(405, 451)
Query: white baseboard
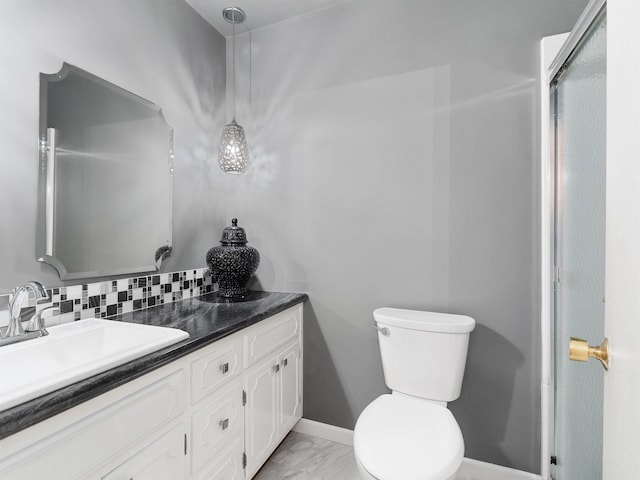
(324, 430)
(469, 470)
(476, 470)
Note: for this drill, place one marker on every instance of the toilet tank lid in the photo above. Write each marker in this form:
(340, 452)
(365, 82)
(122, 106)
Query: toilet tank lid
(425, 321)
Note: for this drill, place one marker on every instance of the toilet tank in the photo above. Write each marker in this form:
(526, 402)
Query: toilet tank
(423, 353)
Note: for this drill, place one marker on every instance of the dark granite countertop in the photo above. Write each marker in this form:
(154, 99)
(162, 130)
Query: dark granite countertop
(205, 318)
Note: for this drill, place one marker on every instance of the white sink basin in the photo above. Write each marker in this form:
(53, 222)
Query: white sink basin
(73, 352)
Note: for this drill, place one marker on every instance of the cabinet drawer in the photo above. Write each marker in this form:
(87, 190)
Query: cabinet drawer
(275, 332)
(220, 419)
(227, 465)
(162, 460)
(215, 368)
(70, 452)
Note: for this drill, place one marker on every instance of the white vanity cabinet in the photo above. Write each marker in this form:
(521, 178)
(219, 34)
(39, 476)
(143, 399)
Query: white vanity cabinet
(215, 414)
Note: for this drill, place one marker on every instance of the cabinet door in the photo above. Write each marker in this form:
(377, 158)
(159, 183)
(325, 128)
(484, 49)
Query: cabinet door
(164, 459)
(261, 412)
(290, 389)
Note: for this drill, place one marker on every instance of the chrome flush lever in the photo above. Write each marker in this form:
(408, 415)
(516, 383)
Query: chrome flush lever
(383, 330)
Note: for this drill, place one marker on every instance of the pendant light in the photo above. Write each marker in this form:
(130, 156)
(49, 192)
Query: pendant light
(233, 154)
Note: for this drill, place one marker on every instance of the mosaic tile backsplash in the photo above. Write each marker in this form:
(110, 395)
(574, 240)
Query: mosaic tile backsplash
(112, 297)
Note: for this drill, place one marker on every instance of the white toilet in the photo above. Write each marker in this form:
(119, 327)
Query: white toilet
(411, 434)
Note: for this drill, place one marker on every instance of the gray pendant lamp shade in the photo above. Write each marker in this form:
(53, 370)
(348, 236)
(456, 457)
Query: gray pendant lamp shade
(233, 154)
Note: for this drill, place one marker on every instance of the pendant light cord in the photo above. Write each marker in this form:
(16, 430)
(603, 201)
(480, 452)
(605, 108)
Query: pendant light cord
(250, 75)
(233, 69)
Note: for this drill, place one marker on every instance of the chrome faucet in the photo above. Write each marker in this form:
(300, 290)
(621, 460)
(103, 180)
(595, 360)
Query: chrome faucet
(18, 296)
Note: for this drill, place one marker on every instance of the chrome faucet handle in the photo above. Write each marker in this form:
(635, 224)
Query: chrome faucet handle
(18, 296)
(36, 323)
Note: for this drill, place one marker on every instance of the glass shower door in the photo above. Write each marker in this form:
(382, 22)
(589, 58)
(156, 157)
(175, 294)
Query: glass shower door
(578, 96)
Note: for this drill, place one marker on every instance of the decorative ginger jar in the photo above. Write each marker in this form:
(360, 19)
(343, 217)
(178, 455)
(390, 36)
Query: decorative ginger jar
(233, 262)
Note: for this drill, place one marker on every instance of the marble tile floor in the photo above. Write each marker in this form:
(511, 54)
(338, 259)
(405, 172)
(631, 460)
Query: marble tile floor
(303, 457)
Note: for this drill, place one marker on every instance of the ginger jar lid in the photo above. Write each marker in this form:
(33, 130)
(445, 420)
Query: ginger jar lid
(233, 235)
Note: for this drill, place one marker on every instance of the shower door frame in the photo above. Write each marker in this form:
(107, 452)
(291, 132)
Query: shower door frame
(549, 50)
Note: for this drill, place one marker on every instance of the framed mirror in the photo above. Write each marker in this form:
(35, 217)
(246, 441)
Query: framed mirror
(105, 178)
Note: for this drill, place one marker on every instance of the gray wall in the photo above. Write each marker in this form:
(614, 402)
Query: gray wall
(395, 163)
(161, 50)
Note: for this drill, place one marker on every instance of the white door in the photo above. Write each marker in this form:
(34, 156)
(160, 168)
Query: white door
(597, 140)
(622, 309)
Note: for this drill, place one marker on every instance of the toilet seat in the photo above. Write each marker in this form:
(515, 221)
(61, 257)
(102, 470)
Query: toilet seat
(402, 438)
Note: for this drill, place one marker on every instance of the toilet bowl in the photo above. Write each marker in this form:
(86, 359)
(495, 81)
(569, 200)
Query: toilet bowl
(398, 437)
(411, 434)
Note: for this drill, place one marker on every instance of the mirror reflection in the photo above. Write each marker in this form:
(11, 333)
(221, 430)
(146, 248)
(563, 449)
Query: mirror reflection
(105, 178)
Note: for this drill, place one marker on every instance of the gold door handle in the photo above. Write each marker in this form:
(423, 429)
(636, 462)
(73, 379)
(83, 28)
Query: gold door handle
(580, 351)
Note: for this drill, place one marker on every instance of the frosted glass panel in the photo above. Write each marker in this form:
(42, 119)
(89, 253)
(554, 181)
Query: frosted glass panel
(580, 103)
